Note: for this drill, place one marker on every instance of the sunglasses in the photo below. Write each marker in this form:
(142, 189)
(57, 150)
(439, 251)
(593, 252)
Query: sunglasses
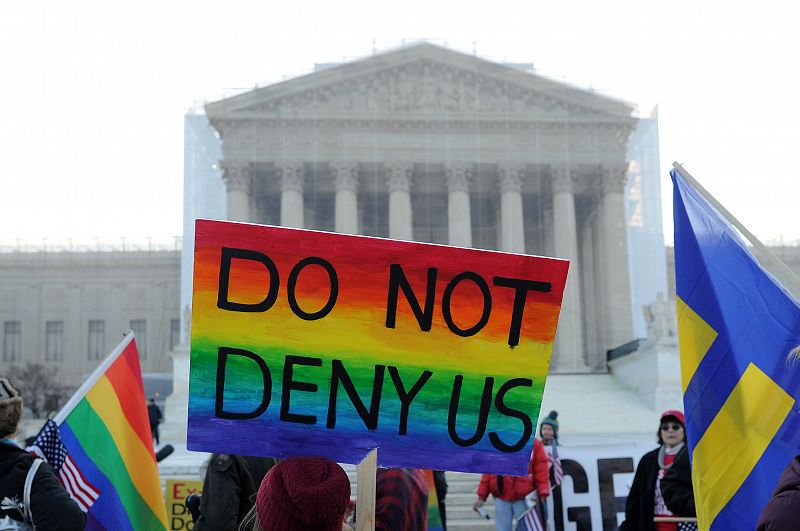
(673, 427)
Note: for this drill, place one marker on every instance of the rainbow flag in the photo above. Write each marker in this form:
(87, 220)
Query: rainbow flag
(100, 446)
(434, 514)
(335, 344)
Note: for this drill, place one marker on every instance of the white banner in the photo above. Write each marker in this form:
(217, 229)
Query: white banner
(596, 484)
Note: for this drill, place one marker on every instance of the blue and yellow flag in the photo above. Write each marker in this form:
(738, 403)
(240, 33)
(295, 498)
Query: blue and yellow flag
(737, 327)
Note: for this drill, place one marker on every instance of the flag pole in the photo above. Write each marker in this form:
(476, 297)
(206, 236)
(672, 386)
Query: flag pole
(91, 380)
(760, 247)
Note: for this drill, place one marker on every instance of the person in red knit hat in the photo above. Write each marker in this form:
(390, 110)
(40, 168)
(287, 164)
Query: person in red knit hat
(303, 494)
(509, 492)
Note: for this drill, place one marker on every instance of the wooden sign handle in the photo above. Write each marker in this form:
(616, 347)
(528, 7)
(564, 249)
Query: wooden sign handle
(365, 492)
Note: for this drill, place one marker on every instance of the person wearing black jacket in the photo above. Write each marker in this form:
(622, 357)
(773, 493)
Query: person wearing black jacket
(676, 486)
(154, 416)
(646, 498)
(51, 507)
(229, 490)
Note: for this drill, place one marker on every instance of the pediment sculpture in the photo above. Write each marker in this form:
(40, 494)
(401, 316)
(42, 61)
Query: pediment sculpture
(424, 86)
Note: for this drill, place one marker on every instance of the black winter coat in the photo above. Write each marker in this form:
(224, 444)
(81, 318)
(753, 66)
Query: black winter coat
(229, 490)
(782, 512)
(51, 506)
(640, 506)
(676, 486)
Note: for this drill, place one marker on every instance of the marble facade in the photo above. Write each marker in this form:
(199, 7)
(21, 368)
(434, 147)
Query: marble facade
(429, 144)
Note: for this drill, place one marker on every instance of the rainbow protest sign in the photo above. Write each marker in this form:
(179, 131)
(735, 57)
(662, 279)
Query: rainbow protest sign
(308, 343)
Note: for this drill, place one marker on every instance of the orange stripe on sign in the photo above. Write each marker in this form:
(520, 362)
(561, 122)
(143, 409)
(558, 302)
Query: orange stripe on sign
(126, 381)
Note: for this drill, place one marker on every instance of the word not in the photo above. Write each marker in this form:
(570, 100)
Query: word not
(397, 282)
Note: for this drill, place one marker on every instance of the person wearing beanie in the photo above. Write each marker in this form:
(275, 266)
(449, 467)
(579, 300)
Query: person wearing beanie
(650, 492)
(51, 508)
(303, 494)
(548, 429)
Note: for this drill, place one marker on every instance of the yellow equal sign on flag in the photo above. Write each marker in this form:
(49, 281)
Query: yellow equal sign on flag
(696, 337)
(742, 428)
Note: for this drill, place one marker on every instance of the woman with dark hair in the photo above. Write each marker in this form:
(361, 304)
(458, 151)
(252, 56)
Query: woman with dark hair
(646, 500)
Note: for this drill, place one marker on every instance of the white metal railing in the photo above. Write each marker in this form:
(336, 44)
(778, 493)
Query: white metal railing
(86, 245)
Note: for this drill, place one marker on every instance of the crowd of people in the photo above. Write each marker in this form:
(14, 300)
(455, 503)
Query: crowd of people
(303, 494)
(314, 493)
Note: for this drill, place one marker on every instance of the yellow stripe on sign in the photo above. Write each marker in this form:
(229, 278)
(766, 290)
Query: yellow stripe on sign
(736, 440)
(695, 337)
(138, 460)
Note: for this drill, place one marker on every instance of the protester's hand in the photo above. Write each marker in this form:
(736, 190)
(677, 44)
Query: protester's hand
(531, 499)
(351, 507)
(477, 504)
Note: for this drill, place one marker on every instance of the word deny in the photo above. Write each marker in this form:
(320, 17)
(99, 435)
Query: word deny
(397, 282)
(370, 415)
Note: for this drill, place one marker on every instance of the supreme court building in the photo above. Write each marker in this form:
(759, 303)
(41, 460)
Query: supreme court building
(429, 144)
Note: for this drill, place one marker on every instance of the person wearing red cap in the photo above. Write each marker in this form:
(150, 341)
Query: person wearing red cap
(303, 494)
(645, 499)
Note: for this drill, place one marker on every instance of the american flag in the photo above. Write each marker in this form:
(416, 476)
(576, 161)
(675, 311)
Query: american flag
(48, 446)
(555, 464)
(530, 520)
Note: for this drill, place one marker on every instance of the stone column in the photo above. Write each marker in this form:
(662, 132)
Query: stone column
(292, 207)
(589, 276)
(512, 226)
(569, 356)
(459, 219)
(616, 300)
(345, 181)
(398, 177)
(238, 179)
(176, 405)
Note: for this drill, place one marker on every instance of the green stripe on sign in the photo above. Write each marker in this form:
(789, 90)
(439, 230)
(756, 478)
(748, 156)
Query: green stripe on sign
(96, 441)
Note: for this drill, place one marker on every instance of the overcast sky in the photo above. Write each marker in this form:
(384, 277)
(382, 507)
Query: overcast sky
(93, 93)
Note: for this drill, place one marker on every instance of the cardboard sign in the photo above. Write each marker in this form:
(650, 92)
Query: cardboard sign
(309, 343)
(177, 491)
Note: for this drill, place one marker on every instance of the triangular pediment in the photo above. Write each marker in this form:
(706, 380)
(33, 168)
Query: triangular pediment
(421, 80)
